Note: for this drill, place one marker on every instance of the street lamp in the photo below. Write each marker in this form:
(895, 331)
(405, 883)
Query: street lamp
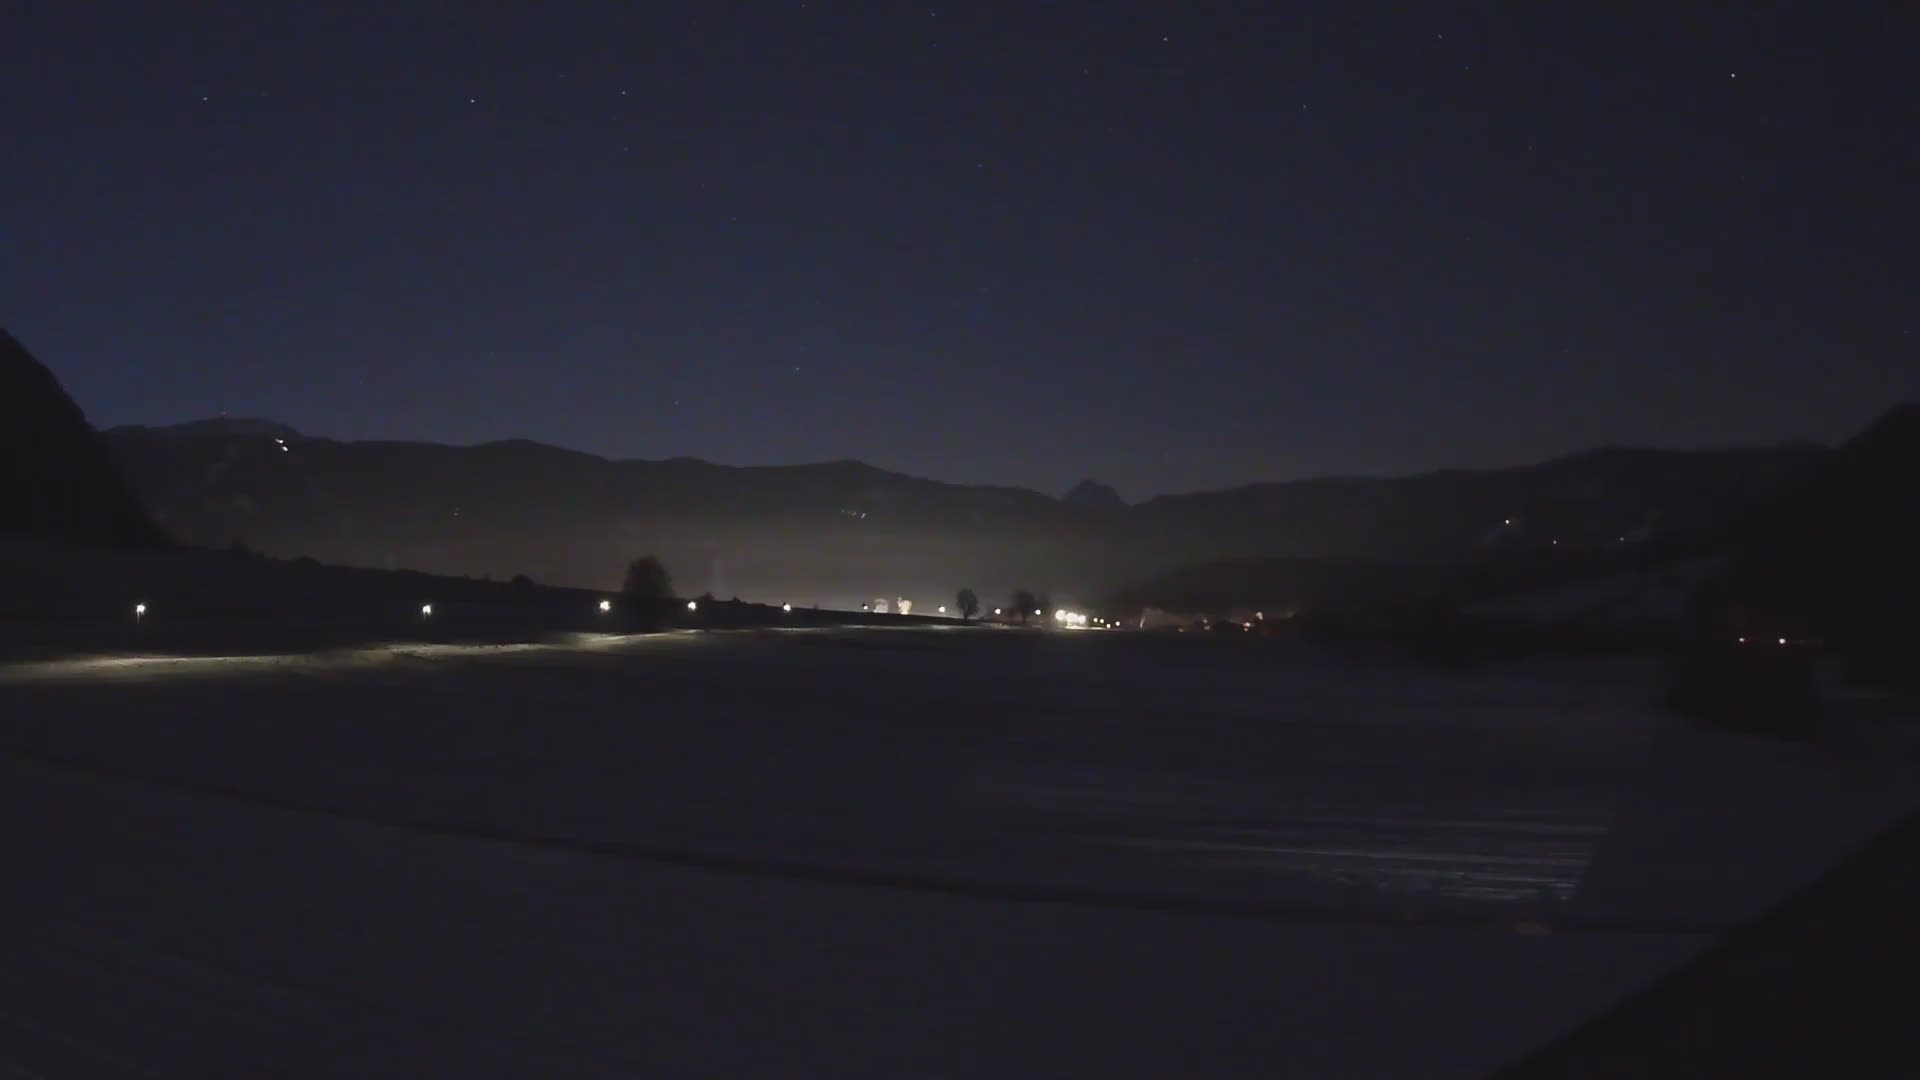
(606, 606)
(426, 611)
(693, 605)
(139, 612)
(788, 608)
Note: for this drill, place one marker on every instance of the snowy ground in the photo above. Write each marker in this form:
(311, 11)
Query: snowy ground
(864, 853)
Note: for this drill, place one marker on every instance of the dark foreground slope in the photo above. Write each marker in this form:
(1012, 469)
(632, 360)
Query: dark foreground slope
(57, 480)
(1827, 984)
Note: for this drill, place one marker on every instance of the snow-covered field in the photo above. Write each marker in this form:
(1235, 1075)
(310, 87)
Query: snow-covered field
(907, 852)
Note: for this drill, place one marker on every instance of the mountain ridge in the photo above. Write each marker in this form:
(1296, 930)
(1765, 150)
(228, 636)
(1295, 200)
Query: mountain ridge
(216, 427)
(842, 532)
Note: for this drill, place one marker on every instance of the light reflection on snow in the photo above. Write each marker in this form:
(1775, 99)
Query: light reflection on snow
(73, 668)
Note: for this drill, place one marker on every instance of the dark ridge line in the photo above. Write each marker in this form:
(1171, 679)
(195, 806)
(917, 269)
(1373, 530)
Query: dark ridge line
(889, 880)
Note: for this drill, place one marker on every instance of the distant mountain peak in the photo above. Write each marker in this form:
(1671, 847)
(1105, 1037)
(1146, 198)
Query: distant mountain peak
(1093, 493)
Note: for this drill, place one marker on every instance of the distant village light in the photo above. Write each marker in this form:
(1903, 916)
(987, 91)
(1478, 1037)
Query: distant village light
(426, 611)
(787, 608)
(606, 606)
(693, 605)
(139, 611)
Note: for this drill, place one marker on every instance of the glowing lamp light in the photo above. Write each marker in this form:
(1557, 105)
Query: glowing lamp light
(1036, 611)
(788, 608)
(426, 611)
(1783, 641)
(139, 611)
(943, 609)
(606, 606)
(693, 605)
(996, 611)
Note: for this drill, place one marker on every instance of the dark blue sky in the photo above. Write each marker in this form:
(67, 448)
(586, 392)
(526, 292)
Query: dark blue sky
(1170, 246)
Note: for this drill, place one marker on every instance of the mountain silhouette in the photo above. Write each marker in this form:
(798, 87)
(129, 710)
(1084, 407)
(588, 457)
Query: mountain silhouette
(843, 532)
(57, 479)
(1837, 552)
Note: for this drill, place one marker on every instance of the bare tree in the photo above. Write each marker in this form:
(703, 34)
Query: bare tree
(647, 581)
(1023, 604)
(968, 604)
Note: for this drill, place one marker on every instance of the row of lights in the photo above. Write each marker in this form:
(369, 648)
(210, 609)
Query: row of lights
(426, 610)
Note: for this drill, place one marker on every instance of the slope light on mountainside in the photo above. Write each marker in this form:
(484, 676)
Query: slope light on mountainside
(57, 480)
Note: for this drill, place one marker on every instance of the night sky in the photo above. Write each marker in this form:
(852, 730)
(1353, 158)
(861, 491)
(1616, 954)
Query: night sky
(1169, 246)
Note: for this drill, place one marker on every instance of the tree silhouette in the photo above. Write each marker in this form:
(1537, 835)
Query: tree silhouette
(968, 604)
(647, 580)
(1023, 604)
